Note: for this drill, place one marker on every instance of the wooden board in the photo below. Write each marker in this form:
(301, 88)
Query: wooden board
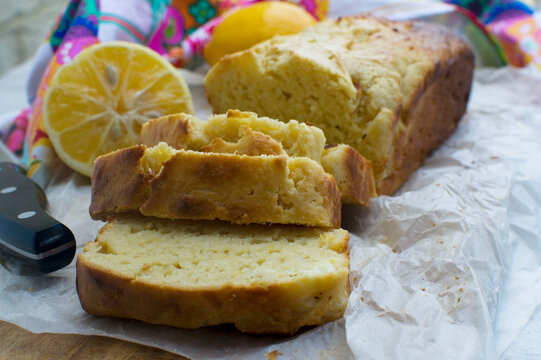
(17, 343)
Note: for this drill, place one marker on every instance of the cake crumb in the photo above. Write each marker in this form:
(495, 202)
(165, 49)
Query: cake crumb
(273, 355)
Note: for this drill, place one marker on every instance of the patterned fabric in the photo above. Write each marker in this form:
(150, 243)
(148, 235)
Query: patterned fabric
(516, 26)
(80, 19)
(13, 136)
(37, 146)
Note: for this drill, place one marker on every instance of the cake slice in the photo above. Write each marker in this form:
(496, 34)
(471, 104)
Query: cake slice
(262, 279)
(188, 132)
(297, 139)
(240, 132)
(184, 184)
(352, 171)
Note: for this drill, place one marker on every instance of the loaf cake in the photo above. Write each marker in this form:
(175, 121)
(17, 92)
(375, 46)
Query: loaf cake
(183, 184)
(262, 279)
(391, 90)
(245, 133)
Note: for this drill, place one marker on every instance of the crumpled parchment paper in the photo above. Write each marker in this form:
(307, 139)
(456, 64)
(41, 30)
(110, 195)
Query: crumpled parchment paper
(448, 268)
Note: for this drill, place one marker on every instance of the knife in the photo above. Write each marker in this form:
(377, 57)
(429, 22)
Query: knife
(26, 230)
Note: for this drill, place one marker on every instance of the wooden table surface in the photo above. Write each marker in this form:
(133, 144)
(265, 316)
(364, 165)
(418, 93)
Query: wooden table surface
(17, 343)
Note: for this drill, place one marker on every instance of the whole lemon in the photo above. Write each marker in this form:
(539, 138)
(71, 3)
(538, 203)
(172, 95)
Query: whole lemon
(243, 28)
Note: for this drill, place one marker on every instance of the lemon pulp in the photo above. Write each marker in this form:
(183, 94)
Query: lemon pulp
(97, 103)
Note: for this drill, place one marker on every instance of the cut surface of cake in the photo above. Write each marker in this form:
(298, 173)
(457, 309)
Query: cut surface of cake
(263, 279)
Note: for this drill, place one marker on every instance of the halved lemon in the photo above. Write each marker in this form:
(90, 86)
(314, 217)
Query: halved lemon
(97, 103)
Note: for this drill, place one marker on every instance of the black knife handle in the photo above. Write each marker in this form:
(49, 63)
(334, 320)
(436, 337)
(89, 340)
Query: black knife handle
(26, 230)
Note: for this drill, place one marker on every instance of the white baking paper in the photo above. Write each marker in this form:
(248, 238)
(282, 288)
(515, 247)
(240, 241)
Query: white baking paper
(448, 268)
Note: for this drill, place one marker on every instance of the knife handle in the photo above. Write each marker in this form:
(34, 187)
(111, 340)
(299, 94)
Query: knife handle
(26, 230)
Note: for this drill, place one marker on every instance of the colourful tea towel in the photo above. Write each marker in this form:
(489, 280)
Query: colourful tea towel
(513, 24)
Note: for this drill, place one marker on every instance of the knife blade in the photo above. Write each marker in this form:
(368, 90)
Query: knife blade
(26, 230)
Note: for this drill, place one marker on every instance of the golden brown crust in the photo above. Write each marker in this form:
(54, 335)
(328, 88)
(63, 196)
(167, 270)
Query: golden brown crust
(352, 171)
(239, 189)
(118, 183)
(275, 308)
(334, 198)
(270, 310)
(433, 113)
(169, 129)
(178, 130)
(196, 185)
